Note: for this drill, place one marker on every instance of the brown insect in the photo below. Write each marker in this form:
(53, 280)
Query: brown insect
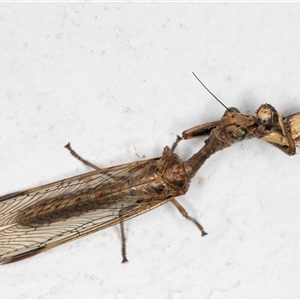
(44, 217)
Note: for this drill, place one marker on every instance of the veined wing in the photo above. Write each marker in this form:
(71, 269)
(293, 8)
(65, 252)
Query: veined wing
(66, 192)
(24, 240)
(105, 198)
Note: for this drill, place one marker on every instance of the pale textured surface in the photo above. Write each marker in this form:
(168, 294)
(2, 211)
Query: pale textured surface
(115, 81)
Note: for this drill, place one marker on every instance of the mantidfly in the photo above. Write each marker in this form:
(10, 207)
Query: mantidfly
(44, 217)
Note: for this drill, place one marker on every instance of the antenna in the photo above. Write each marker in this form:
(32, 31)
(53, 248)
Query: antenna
(210, 92)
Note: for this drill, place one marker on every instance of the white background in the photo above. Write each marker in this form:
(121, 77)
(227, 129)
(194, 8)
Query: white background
(115, 80)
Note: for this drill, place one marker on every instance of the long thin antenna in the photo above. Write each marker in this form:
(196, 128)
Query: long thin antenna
(210, 92)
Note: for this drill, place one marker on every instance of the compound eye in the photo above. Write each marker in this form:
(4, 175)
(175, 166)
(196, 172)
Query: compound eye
(233, 109)
(240, 134)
